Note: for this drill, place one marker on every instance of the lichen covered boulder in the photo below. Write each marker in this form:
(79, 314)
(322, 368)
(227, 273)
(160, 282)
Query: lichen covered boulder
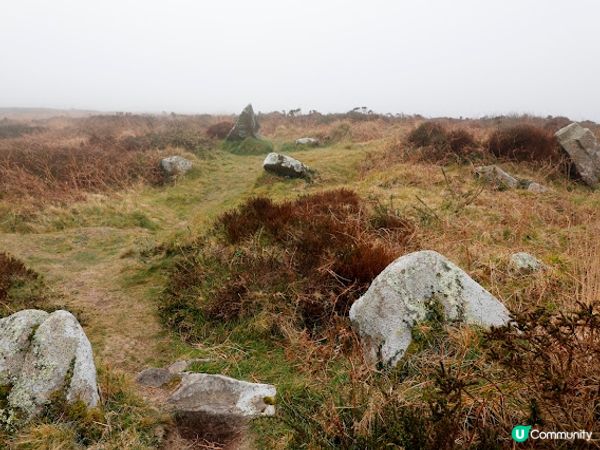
(286, 166)
(55, 362)
(405, 293)
(175, 165)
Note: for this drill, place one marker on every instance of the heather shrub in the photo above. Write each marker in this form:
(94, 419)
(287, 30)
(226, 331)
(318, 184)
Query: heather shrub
(435, 143)
(219, 130)
(303, 262)
(524, 142)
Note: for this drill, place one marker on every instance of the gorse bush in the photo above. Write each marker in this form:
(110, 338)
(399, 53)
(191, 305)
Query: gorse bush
(303, 261)
(20, 287)
(524, 142)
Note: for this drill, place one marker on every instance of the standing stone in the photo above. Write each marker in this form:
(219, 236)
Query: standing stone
(286, 166)
(407, 292)
(58, 360)
(584, 151)
(246, 126)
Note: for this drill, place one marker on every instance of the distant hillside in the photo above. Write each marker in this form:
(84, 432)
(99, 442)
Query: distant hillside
(42, 113)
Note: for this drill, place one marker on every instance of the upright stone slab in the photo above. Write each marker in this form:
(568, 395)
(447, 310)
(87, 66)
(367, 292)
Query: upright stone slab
(584, 151)
(246, 126)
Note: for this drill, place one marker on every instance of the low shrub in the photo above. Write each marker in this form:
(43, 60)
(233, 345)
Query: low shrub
(20, 287)
(303, 262)
(10, 129)
(438, 144)
(219, 130)
(57, 174)
(524, 142)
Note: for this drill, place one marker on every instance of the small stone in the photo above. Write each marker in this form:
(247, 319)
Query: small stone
(286, 166)
(155, 377)
(307, 141)
(525, 263)
(497, 176)
(175, 165)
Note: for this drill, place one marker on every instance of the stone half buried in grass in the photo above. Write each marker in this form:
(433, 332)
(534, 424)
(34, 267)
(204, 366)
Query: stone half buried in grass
(175, 165)
(502, 180)
(286, 166)
(524, 263)
(407, 291)
(218, 407)
(55, 361)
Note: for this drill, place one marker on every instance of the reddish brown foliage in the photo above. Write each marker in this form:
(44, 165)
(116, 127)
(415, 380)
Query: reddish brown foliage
(219, 130)
(310, 257)
(524, 143)
(438, 144)
(42, 172)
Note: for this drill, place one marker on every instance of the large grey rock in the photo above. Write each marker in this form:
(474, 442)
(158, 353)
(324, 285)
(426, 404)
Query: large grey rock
(175, 165)
(58, 360)
(285, 166)
(219, 404)
(525, 263)
(503, 180)
(16, 332)
(307, 141)
(584, 151)
(245, 126)
(407, 291)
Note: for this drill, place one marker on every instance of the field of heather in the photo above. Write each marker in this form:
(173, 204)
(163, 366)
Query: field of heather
(241, 272)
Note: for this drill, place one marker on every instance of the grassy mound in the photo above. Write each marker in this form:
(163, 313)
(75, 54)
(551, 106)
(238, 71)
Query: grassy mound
(301, 263)
(249, 146)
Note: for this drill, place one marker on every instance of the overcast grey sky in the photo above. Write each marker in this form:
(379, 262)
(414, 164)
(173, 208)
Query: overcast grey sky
(433, 57)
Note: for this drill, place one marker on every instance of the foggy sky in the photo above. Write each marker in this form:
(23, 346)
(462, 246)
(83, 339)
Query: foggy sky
(433, 57)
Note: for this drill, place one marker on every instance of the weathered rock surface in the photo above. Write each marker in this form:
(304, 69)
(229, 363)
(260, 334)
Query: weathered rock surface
(583, 150)
(307, 141)
(525, 263)
(245, 126)
(285, 166)
(503, 180)
(222, 405)
(175, 165)
(16, 331)
(55, 356)
(155, 377)
(407, 292)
